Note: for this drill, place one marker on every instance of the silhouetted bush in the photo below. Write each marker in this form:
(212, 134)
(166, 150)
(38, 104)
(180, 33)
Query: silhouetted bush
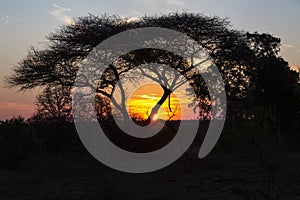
(57, 137)
(18, 141)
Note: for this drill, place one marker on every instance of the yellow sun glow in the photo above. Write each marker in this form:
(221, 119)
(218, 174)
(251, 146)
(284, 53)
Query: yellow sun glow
(145, 98)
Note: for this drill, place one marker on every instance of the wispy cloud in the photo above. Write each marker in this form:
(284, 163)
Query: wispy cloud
(6, 20)
(16, 106)
(298, 50)
(159, 2)
(60, 14)
(145, 96)
(288, 45)
(10, 109)
(175, 2)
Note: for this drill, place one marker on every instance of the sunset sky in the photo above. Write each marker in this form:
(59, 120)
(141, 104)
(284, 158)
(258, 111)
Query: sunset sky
(26, 23)
(145, 98)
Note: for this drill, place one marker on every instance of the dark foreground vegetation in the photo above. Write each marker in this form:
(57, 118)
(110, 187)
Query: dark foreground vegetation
(48, 161)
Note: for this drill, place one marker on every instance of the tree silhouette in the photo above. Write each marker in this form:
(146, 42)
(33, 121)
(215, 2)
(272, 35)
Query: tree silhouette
(242, 58)
(274, 84)
(59, 62)
(54, 104)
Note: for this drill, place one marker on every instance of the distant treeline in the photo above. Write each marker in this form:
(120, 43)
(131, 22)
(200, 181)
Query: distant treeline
(22, 140)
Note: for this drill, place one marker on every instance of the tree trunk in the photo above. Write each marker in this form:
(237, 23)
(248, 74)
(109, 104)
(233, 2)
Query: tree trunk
(154, 111)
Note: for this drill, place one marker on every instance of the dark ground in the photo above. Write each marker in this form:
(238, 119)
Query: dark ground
(63, 169)
(229, 176)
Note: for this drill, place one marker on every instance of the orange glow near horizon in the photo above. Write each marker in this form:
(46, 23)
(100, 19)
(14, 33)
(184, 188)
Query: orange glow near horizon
(145, 98)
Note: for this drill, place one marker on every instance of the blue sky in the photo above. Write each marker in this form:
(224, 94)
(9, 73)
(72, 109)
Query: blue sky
(26, 23)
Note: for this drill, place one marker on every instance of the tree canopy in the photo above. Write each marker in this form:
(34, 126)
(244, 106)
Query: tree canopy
(252, 70)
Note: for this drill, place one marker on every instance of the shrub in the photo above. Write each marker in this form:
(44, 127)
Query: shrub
(18, 141)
